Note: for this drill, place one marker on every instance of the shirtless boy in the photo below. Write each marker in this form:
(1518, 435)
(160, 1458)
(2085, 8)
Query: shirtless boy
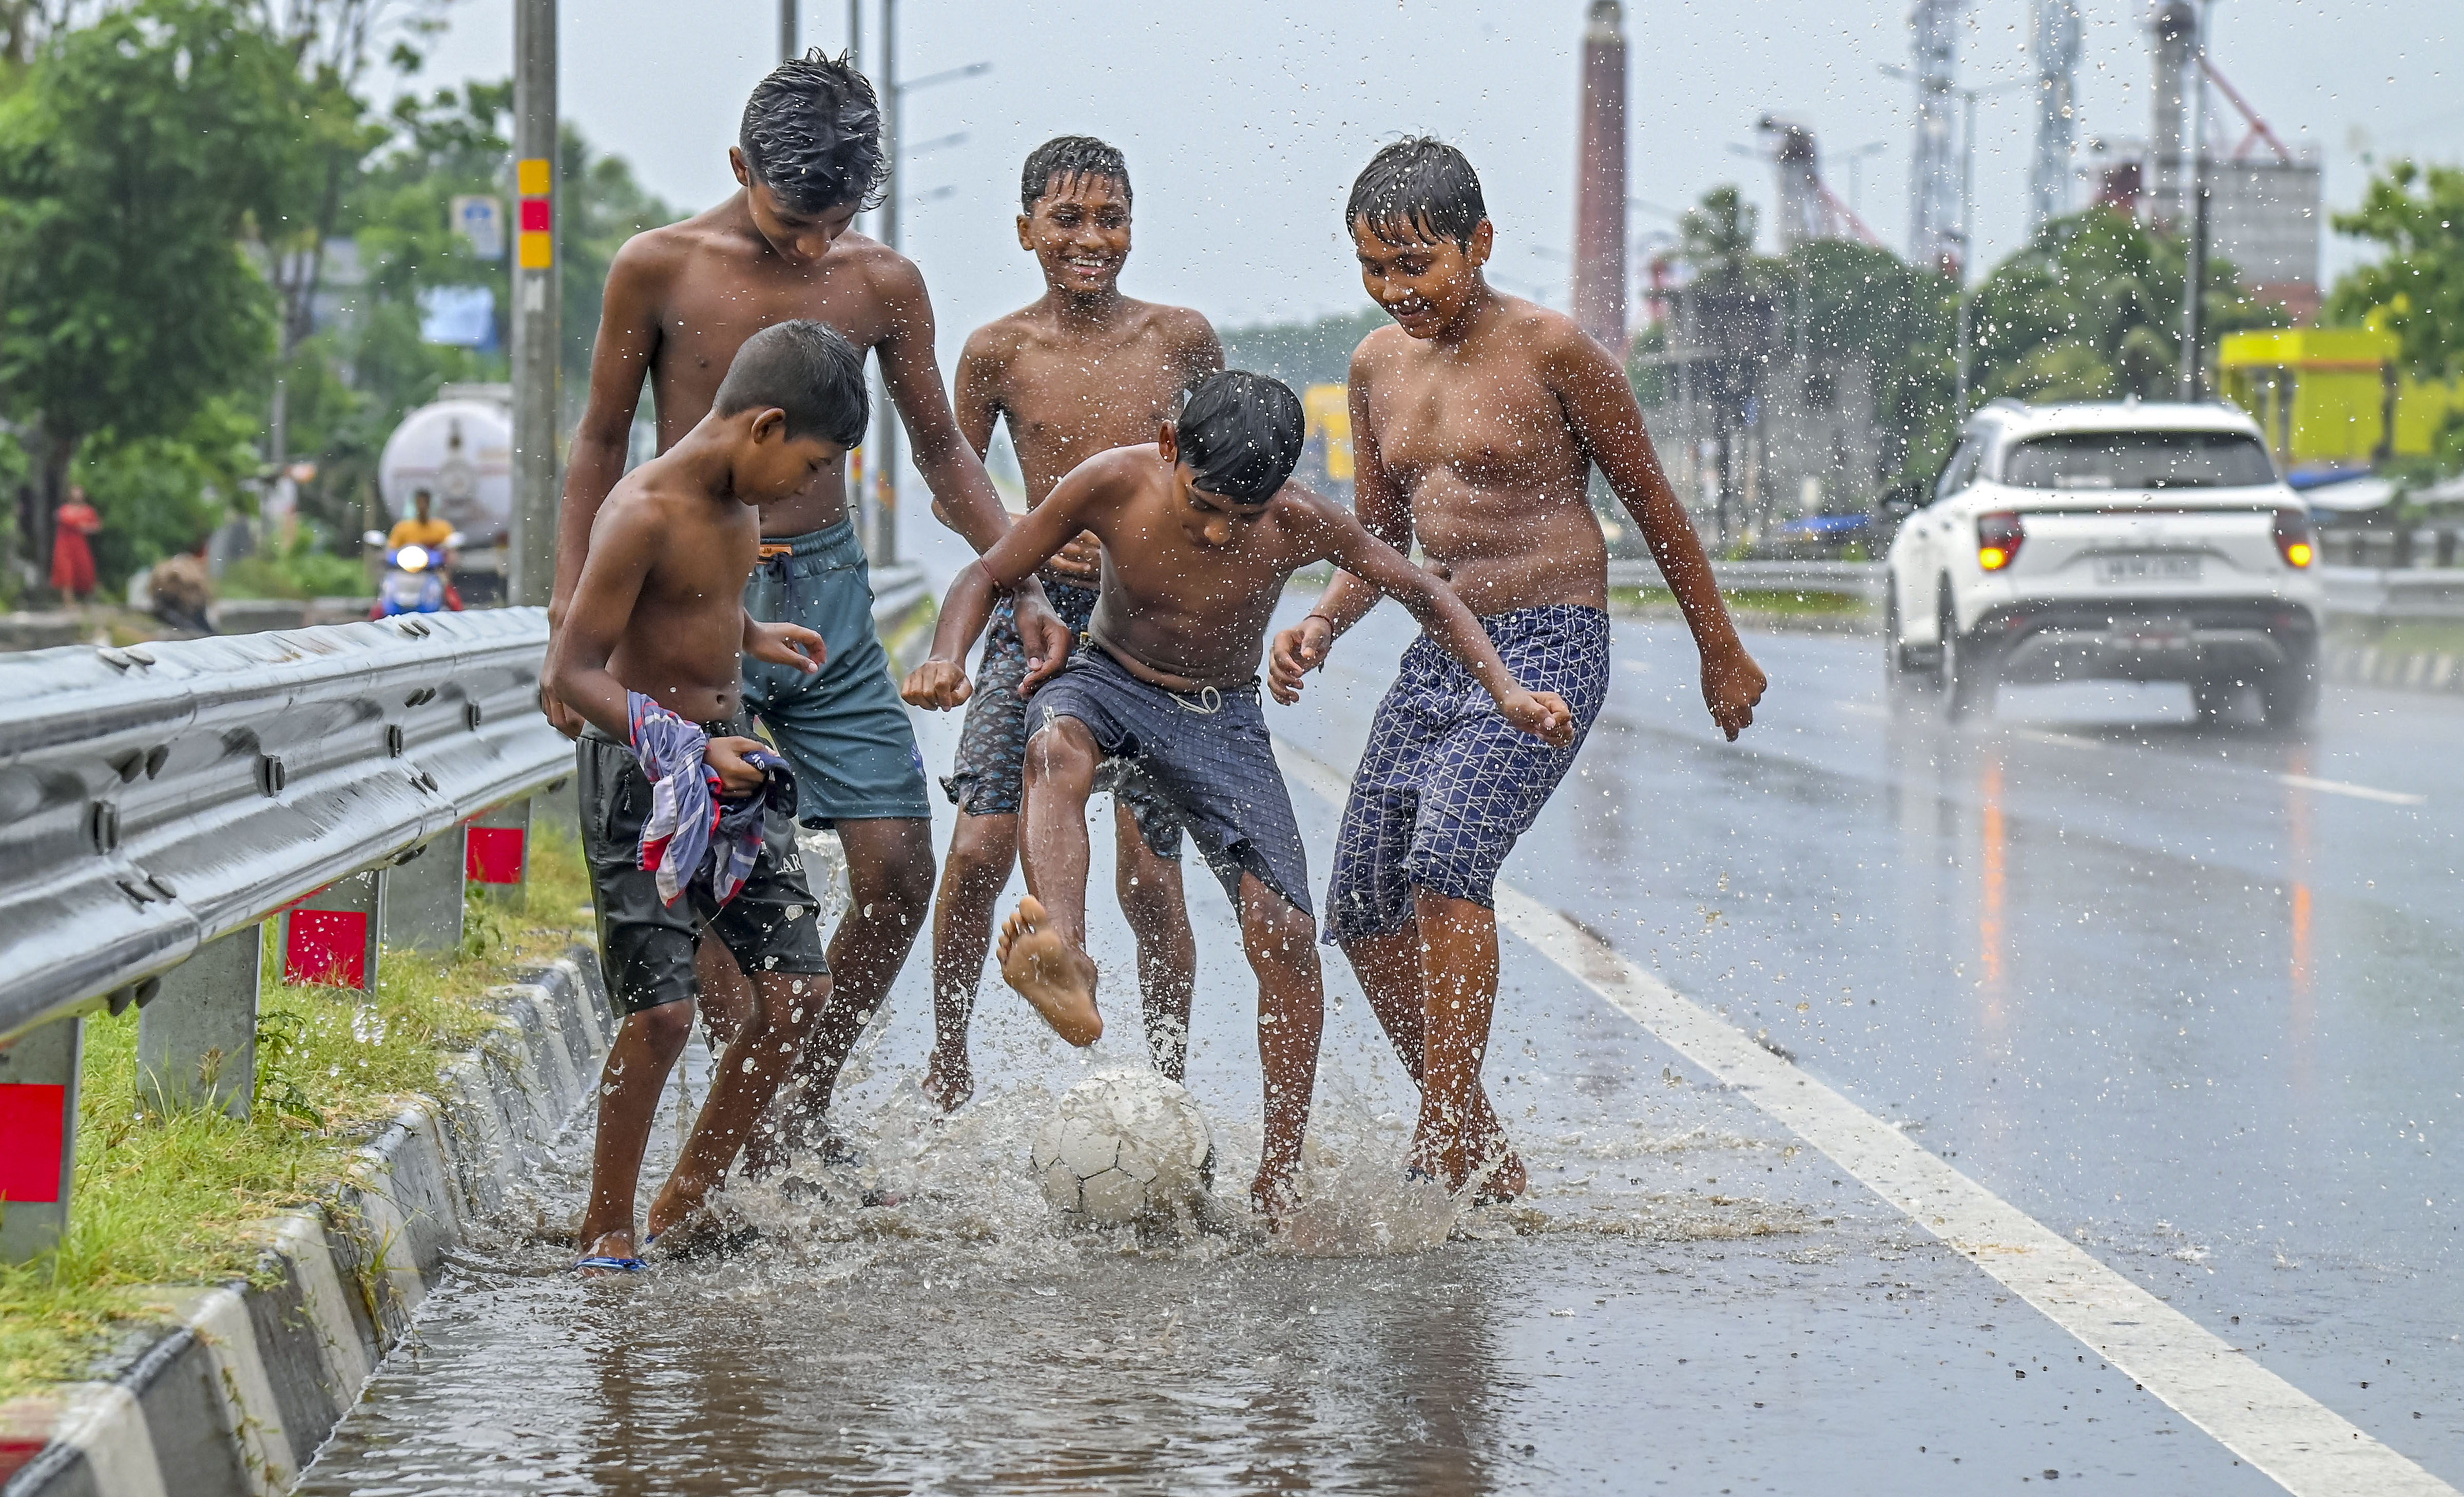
(1198, 530)
(654, 625)
(680, 301)
(1475, 423)
(1081, 370)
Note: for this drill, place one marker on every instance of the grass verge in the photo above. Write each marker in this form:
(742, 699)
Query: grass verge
(171, 1199)
(2406, 639)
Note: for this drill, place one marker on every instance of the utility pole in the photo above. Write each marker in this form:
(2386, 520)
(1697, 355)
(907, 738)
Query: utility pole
(884, 547)
(2195, 227)
(788, 30)
(531, 572)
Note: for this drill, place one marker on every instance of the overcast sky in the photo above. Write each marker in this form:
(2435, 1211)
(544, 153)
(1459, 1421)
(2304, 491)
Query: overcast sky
(1244, 121)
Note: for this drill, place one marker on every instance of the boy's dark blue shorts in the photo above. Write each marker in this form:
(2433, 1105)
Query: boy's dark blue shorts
(1446, 784)
(1207, 758)
(987, 774)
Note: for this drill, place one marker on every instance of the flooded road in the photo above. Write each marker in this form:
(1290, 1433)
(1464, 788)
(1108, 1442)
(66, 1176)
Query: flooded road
(2188, 997)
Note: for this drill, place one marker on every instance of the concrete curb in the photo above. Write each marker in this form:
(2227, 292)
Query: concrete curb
(236, 1396)
(2368, 664)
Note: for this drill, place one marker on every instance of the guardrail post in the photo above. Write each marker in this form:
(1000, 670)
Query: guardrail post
(500, 854)
(330, 938)
(38, 1110)
(196, 1037)
(422, 897)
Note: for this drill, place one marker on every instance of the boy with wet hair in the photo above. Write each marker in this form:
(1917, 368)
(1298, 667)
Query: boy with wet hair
(1081, 370)
(1198, 530)
(1475, 423)
(680, 301)
(649, 655)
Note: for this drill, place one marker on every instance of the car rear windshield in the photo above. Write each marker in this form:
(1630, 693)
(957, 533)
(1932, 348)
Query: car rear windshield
(2139, 460)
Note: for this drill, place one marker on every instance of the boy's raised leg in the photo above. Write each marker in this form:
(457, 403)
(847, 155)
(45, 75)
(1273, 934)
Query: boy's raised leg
(1044, 945)
(647, 1046)
(786, 1005)
(1157, 909)
(1282, 945)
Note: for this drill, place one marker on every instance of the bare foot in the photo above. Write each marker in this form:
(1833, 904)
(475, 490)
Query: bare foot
(1275, 1194)
(1049, 972)
(948, 1084)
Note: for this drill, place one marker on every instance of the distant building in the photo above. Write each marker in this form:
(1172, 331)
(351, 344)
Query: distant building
(2333, 398)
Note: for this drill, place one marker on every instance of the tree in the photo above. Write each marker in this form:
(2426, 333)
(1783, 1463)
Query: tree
(2417, 292)
(137, 156)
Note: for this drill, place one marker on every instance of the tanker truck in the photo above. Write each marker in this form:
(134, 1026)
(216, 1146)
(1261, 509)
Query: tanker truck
(459, 447)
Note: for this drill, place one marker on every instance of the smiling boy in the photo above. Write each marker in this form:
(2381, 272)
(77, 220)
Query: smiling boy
(652, 633)
(680, 301)
(1476, 421)
(1200, 531)
(1081, 370)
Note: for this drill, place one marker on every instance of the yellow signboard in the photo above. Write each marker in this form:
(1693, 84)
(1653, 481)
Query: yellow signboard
(1329, 410)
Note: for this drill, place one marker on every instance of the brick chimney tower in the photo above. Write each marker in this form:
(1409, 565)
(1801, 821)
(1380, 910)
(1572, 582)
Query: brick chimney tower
(1599, 181)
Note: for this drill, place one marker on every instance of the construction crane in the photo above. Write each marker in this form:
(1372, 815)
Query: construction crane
(1808, 209)
(2056, 28)
(1937, 237)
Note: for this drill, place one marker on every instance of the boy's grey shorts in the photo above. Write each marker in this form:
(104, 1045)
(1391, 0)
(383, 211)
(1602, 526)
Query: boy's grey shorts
(1207, 758)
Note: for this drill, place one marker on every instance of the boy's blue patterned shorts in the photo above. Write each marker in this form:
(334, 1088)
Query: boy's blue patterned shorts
(1446, 784)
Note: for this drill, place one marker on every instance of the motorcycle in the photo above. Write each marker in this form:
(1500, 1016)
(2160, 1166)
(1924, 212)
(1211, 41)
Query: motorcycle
(414, 580)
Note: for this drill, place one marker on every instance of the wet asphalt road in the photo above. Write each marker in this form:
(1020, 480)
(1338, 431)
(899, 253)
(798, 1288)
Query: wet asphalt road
(2201, 1016)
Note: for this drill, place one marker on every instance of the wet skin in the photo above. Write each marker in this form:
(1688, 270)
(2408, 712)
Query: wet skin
(1081, 370)
(656, 609)
(680, 300)
(1190, 580)
(1475, 421)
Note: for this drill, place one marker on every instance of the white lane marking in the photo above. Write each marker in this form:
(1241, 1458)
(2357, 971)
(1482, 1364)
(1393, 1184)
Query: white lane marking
(2058, 740)
(2357, 792)
(2306, 1447)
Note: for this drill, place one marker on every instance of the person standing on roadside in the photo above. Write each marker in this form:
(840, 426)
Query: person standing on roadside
(72, 552)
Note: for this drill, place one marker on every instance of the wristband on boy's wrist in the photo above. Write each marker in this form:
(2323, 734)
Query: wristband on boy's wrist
(1321, 619)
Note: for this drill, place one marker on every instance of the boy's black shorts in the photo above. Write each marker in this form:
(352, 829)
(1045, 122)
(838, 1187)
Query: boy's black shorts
(647, 948)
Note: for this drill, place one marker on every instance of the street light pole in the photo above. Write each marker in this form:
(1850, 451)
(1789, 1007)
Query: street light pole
(531, 570)
(790, 31)
(884, 549)
(2194, 261)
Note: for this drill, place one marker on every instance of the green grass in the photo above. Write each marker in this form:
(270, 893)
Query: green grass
(171, 1199)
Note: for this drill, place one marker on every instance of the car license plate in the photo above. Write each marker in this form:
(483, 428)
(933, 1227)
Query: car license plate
(2159, 567)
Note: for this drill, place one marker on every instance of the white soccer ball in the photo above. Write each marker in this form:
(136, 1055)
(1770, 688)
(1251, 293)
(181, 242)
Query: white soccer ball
(1124, 1145)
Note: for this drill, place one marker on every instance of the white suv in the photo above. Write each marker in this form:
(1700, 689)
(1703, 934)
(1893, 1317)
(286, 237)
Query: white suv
(2140, 542)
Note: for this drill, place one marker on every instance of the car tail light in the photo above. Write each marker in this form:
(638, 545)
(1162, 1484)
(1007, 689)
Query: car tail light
(2293, 538)
(1998, 539)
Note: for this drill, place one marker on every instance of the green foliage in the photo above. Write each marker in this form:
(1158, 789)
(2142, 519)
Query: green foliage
(132, 164)
(302, 568)
(2091, 309)
(2416, 291)
(162, 495)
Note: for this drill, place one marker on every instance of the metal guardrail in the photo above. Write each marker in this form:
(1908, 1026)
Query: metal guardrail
(154, 798)
(2369, 592)
(2391, 595)
(1858, 579)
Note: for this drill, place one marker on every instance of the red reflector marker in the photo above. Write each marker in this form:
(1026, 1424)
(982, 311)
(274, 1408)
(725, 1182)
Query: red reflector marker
(34, 1128)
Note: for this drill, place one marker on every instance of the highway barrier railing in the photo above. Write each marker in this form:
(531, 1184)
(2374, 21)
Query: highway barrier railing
(159, 803)
(1855, 579)
(2386, 594)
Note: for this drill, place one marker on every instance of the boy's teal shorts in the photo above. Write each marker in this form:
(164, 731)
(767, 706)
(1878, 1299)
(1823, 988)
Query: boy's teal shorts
(844, 729)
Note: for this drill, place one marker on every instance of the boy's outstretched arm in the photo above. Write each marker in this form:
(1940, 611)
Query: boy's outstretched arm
(1600, 406)
(1544, 715)
(1383, 507)
(940, 683)
(963, 493)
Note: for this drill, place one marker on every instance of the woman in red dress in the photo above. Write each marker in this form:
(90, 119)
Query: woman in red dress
(71, 558)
